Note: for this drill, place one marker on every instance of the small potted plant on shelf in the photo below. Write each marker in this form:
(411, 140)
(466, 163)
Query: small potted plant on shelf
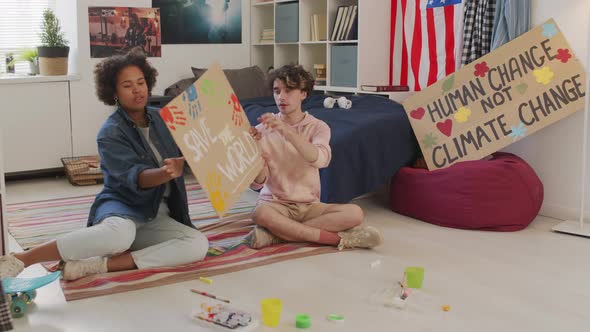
(31, 56)
(54, 50)
(10, 63)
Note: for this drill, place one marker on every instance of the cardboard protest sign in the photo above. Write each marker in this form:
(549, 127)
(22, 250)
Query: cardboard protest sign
(210, 128)
(523, 86)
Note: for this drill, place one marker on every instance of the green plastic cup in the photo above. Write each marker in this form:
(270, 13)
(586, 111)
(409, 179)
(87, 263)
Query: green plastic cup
(302, 321)
(271, 311)
(414, 276)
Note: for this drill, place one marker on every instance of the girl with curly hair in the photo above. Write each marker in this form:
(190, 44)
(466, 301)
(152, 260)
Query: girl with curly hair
(140, 218)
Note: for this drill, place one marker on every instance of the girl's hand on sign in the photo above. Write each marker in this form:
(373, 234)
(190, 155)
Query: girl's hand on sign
(173, 167)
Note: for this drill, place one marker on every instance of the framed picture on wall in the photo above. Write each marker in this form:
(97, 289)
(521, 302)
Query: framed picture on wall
(200, 21)
(115, 30)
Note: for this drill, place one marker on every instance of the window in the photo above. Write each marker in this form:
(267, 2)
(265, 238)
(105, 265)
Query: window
(20, 24)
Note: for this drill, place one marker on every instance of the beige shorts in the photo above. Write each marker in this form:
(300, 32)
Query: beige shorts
(300, 212)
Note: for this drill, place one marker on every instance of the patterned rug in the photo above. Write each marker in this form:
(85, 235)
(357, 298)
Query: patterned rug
(35, 223)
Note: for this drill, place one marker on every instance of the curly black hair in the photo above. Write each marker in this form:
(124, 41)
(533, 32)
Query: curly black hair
(106, 71)
(294, 77)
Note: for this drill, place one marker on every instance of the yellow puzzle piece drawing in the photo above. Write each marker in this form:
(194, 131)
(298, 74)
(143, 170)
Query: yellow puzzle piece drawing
(462, 114)
(543, 75)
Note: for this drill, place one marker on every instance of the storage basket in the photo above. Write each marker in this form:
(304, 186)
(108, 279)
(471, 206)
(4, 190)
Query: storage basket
(83, 171)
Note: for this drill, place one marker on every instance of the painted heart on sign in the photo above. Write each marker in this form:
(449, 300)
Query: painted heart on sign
(417, 113)
(445, 127)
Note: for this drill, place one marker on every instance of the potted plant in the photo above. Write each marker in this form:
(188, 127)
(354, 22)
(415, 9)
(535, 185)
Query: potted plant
(54, 50)
(10, 63)
(31, 56)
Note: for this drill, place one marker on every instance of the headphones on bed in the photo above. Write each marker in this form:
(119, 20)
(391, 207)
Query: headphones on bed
(342, 102)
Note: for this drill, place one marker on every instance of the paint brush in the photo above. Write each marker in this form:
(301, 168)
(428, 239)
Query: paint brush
(209, 295)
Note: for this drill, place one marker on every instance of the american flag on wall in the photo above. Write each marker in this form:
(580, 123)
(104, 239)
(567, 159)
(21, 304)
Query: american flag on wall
(426, 41)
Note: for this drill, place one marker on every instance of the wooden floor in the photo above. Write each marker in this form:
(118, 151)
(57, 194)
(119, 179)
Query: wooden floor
(532, 280)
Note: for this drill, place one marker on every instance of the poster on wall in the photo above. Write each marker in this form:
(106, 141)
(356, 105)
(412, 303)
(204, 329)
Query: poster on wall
(200, 21)
(115, 30)
(501, 98)
(211, 129)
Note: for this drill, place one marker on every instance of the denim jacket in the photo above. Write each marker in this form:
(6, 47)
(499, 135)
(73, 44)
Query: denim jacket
(124, 153)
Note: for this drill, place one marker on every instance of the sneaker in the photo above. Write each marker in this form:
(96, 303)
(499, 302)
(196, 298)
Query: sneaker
(360, 237)
(260, 237)
(10, 266)
(77, 269)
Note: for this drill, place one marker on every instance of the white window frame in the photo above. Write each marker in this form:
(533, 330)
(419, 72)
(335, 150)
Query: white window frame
(13, 16)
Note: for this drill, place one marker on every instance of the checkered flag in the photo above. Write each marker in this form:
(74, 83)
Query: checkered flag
(478, 22)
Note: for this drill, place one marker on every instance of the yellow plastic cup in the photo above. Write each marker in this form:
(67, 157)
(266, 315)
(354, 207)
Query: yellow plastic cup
(414, 276)
(271, 311)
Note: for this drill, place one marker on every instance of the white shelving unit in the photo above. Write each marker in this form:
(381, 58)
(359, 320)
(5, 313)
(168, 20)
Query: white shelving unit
(261, 17)
(372, 44)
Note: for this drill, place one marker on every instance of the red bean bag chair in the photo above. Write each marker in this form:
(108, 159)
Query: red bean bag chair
(501, 194)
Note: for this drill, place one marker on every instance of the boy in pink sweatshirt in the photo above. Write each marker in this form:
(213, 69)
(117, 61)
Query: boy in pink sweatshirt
(295, 145)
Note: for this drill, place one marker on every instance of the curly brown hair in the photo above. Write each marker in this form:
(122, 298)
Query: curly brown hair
(294, 77)
(106, 71)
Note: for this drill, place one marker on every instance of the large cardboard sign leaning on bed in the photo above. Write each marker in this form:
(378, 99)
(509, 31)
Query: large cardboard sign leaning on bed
(523, 86)
(209, 125)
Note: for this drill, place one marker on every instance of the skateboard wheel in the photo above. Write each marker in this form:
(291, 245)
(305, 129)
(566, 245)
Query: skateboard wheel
(30, 296)
(25, 298)
(18, 308)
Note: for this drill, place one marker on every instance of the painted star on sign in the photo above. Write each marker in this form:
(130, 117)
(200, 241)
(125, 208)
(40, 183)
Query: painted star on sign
(517, 132)
(429, 141)
(549, 30)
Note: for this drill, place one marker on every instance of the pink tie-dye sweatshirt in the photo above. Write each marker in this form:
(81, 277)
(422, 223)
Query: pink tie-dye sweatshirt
(291, 178)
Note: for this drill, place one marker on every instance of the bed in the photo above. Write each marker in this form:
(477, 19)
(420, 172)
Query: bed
(370, 142)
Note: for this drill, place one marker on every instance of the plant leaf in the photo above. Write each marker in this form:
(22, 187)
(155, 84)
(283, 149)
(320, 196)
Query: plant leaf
(51, 34)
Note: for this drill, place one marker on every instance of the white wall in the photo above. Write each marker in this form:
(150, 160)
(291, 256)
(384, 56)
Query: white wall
(88, 113)
(555, 151)
(3, 225)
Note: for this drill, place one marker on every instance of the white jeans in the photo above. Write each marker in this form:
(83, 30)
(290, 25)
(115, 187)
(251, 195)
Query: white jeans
(160, 242)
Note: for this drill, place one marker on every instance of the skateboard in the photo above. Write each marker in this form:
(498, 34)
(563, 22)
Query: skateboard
(22, 291)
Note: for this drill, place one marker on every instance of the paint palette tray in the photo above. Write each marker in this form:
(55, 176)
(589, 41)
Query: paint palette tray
(224, 317)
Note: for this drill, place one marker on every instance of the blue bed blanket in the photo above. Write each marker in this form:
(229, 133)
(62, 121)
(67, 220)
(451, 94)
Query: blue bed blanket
(370, 142)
